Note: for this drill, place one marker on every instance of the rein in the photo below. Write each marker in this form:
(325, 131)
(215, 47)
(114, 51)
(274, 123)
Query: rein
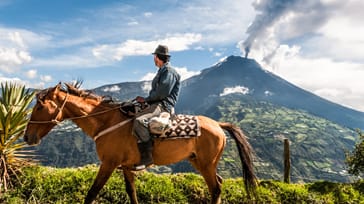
(112, 128)
(101, 133)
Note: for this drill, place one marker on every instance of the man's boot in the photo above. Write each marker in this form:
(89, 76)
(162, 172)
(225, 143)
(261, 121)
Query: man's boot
(145, 149)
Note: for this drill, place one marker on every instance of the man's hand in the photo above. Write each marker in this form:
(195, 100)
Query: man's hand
(140, 99)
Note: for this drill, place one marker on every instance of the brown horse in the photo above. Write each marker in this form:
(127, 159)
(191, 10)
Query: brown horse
(117, 147)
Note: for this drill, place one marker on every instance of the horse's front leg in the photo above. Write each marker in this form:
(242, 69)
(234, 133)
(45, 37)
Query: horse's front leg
(103, 175)
(130, 185)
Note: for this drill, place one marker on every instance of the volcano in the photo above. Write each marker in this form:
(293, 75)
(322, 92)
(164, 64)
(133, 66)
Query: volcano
(199, 92)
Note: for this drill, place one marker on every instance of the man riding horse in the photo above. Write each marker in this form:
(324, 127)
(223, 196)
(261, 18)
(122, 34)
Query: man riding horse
(162, 98)
(99, 120)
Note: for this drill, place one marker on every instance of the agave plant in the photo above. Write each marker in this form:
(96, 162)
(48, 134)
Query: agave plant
(14, 115)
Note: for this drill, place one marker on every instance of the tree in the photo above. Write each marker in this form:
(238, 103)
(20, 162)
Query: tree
(355, 159)
(14, 115)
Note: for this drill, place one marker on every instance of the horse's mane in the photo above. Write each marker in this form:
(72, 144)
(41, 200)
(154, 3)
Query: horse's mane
(74, 89)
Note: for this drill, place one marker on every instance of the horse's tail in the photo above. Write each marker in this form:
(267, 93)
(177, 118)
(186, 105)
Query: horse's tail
(245, 153)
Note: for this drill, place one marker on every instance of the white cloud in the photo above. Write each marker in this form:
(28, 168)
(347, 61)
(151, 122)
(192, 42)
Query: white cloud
(10, 80)
(185, 74)
(268, 93)
(182, 71)
(340, 82)
(176, 42)
(148, 14)
(148, 77)
(341, 38)
(218, 54)
(114, 88)
(16, 38)
(13, 50)
(70, 61)
(12, 58)
(23, 39)
(31, 74)
(46, 78)
(16, 46)
(147, 86)
(132, 23)
(237, 89)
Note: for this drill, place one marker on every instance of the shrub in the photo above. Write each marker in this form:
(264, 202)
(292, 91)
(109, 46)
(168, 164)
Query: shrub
(355, 159)
(14, 112)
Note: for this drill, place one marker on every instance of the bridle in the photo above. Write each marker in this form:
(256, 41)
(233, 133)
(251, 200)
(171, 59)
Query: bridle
(55, 120)
(101, 133)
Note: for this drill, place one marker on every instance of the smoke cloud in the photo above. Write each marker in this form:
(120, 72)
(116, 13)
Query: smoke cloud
(270, 10)
(284, 20)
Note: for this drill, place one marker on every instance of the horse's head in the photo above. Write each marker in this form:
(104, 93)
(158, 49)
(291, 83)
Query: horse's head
(46, 113)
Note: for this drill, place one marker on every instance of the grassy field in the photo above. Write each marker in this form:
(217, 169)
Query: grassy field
(70, 185)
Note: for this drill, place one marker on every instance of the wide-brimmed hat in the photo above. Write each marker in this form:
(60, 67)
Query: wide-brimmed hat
(161, 50)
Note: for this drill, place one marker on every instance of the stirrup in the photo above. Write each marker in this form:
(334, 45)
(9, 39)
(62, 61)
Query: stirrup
(141, 167)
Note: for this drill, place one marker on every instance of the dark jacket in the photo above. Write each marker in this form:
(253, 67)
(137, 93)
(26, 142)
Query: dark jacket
(165, 87)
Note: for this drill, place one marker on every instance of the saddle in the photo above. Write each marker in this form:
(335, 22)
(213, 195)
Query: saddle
(179, 126)
(165, 126)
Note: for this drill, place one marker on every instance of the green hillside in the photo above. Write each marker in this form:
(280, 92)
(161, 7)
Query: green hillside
(317, 145)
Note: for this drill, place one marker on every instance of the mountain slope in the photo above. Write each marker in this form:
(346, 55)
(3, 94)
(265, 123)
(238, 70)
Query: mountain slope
(201, 90)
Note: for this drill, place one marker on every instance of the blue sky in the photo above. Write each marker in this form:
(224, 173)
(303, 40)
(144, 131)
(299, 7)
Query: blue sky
(315, 44)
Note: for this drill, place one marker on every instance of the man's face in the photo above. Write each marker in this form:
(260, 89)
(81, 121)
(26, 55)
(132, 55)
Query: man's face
(156, 60)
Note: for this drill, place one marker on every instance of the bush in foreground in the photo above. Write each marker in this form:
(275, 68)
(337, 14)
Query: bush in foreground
(70, 185)
(14, 112)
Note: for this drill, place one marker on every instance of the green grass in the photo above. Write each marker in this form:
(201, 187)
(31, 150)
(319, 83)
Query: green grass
(69, 185)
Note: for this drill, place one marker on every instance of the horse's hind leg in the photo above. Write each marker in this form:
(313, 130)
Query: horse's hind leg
(103, 175)
(130, 186)
(212, 179)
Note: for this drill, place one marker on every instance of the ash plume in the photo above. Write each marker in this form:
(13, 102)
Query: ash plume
(299, 17)
(270, 12)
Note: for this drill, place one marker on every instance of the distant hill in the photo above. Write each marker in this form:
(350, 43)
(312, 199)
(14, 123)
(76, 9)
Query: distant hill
(124, 91)
(264, 105)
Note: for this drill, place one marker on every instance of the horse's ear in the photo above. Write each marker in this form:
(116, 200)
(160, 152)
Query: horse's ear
(57, 88)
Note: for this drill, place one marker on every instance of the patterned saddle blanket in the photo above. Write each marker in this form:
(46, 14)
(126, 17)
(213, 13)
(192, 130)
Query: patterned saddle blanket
(182, 126)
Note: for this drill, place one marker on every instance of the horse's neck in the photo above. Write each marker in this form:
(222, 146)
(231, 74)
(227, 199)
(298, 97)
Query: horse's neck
(88, 114)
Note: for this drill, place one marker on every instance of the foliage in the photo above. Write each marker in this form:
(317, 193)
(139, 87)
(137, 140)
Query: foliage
(14, 112)
(70, 185)
(355, 159)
